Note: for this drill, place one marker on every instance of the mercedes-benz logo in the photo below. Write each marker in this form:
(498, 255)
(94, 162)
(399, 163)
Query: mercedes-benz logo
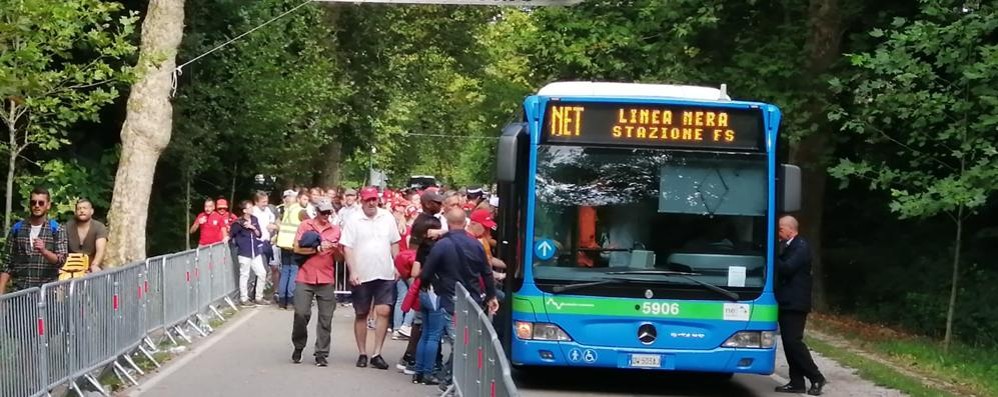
(647, 334)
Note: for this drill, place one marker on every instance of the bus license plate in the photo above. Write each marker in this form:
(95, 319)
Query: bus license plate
(646, 360)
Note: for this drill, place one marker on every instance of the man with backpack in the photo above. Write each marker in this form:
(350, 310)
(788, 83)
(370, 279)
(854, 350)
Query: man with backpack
(87, 236)
(36, 247)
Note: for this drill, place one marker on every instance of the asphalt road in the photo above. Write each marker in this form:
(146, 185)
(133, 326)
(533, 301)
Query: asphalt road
(250, 356)
(643, 383)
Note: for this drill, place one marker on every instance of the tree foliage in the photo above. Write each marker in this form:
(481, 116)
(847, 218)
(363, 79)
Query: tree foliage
(924, 101)
(59, 65)
(907, 103)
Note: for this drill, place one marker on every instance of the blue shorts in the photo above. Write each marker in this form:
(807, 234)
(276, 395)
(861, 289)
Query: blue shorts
(376, 292)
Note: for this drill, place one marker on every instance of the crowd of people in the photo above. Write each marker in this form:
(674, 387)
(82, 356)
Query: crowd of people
(402, 252)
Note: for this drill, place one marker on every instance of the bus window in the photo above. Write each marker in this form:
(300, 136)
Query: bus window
(643, 209)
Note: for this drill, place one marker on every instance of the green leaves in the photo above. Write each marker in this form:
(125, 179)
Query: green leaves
(272, 96)
(923, 99)
(60, 60)
(70, 180)
(59, 64)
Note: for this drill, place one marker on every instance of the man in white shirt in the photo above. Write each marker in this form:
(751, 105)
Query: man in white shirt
(350, 206)
(452, 200)
(267, 217)
(371, 241)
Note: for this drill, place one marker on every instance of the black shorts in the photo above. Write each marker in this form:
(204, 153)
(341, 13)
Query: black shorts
(378, 292)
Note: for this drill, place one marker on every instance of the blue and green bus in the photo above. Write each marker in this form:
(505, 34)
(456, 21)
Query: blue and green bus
(638, 224)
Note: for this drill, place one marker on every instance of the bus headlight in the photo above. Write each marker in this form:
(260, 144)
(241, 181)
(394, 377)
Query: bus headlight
(752, 340)
(540, 331)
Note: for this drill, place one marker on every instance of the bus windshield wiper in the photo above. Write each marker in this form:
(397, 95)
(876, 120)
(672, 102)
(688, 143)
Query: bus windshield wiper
(571, 287)
(685, 276)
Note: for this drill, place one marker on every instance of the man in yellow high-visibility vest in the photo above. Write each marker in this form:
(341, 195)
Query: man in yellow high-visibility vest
(293, 214)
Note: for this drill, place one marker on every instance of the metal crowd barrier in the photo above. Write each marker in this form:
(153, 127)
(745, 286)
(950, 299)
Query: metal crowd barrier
(66, 331)
(342, 279)
(22, 364)
(480, 364)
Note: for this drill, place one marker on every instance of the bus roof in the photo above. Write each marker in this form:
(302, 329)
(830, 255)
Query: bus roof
(603, 89)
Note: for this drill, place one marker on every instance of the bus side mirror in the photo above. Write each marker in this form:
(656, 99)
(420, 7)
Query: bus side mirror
(506, 156)
(790, 187)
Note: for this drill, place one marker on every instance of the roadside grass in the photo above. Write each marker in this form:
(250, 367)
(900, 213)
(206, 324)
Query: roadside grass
(875, 372)
(965, 369)
(975, 369)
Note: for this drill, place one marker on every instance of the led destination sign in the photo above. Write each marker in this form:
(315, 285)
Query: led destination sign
(652, 125)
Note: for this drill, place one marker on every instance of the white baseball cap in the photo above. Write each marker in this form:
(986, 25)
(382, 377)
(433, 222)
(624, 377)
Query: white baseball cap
(290, 193)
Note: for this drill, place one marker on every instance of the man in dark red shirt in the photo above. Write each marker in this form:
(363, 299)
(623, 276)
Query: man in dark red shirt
(209, 223)
(315, 281)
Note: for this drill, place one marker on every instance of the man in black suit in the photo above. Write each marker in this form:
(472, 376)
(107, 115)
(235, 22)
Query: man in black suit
(793, 293)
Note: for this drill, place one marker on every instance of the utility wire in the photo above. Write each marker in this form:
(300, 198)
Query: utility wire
(179, 70)
(451, 136)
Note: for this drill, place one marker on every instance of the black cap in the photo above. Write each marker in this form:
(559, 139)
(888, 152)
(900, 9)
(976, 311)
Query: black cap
(432, 195)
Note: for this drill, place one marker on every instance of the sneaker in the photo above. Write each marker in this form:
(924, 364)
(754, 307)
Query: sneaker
(247, 304)
(406, 361)
(409, 370)
(362, 361)
(430, 380)
(378, 362)
(398, 336)
(405, 331)
(296, 356)
(320, 361)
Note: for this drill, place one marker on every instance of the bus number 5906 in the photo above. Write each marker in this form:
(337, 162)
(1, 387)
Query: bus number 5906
(658, 308)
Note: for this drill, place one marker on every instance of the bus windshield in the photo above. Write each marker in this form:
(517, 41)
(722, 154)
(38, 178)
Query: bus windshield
(612, 210)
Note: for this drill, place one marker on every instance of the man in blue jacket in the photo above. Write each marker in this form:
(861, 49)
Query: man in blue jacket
(458, 257)
(793, 293)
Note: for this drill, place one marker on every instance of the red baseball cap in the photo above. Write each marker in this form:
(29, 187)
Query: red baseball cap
(484, 217)
(368, 193)
(222, 203)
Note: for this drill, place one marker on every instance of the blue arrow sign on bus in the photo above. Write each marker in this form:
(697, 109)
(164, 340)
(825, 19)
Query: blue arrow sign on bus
(544, 249)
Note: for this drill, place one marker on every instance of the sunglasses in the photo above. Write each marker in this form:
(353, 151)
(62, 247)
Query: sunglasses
(37, 203)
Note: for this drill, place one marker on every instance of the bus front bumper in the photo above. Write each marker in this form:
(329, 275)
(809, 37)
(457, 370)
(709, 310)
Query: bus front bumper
(571, 354)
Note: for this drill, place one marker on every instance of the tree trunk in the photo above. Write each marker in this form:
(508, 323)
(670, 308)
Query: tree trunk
(9, 204)
(13, 148)
(232, 193)
(956, 276)
(146, 131)
(823, 45)
(187, 210)
(331, 164)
